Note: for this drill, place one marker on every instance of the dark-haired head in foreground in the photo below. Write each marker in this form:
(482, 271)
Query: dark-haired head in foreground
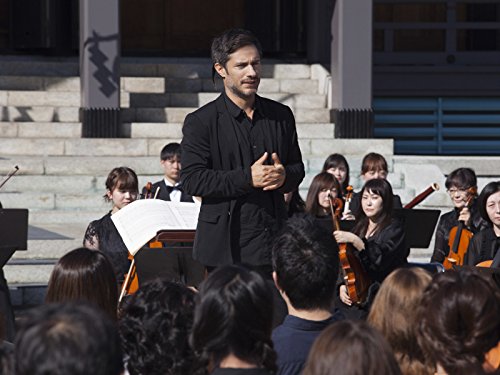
(459, 323)
(233, 320)
(67, 339)
(84, 275)
(155, 329)
(351, 347)
(306, 265)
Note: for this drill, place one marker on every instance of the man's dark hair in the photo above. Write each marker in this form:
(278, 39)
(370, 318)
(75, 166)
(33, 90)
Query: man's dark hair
(230, 41)
(170, 151)
(155, 330)
(306, 262)
(234, 315)
(67, 339)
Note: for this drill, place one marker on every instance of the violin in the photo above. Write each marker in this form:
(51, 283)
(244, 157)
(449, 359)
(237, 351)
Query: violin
(356, 279)
(460, 237)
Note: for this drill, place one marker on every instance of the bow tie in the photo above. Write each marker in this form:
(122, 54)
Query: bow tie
(170, 189)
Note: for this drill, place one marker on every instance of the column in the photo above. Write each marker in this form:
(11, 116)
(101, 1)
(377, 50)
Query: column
(100, 68)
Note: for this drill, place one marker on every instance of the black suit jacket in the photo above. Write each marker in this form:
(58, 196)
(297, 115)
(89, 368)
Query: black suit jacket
(164, 195)
(212, 167)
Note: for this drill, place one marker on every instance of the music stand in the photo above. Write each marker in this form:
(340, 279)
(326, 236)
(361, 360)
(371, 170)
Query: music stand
(419, 225)
(14, 233)
(173, 261)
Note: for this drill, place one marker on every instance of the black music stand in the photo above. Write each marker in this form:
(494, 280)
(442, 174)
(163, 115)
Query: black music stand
(13, 233)
(419, 225)
(172, 261)
(13, 236)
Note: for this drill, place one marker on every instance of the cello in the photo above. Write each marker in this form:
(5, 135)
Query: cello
(356, 279)
(460, 237)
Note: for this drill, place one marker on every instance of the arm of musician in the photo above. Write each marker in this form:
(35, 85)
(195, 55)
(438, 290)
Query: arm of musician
(348, 237)
(197, 174)
(385, 250)
(344, 296)
(90, 239)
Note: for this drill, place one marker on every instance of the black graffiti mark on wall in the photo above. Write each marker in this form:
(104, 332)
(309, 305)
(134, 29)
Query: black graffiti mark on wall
(108, 79)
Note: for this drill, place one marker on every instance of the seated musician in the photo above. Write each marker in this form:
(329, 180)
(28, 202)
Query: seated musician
(378, 237)
(485, 245)
(337, 165)
(121, 189)
(373, 166)
(170, 187)
(457, 184)
(323, 186)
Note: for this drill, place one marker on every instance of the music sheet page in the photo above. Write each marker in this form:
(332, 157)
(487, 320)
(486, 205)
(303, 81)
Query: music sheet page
(139, 221)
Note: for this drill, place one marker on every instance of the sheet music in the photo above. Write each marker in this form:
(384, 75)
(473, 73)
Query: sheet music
(139, 221)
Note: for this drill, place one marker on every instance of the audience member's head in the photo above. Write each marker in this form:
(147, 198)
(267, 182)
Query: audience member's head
(155, 328)
(459, 323)
(233, 319)
(306, 264)
(351, 347)
(393, 314)
(84, 275)
(67, 339)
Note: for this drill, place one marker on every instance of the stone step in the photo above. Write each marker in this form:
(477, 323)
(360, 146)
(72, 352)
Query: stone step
(38, 114)
(35, 129)
(482, 165)
(38, 273)
(134, 130)
(44, 217)
(324, 147)
(142, 67)
(46, 189)
(304, 96)
(157, 85)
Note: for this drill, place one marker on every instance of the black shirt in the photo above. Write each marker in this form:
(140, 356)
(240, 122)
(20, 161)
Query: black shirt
(240, 371)
(254, 221)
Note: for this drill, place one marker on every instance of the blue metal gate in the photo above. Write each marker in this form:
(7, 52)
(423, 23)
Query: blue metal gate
(439, 126)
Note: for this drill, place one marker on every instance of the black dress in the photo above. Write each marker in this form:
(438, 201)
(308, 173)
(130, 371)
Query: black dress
(484, 246)
(102, 235)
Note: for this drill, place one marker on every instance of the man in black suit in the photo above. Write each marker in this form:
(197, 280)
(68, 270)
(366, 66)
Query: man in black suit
(170, 187)
(240, 154)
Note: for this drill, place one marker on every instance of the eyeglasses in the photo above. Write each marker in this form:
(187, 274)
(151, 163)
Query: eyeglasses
(454, 191)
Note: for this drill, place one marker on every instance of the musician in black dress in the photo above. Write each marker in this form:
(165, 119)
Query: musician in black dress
(377, 237)
(485, 245)
(170, 186)
(323, 186)
(337, 165)
(122, 188)
(458, 184)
